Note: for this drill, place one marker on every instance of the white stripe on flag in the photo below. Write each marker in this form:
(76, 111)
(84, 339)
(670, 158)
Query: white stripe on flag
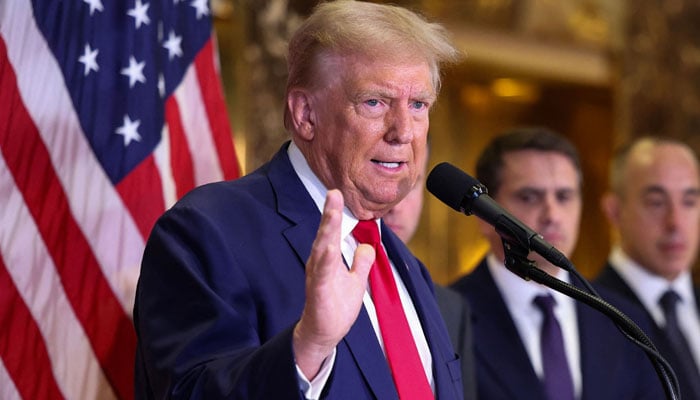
(93, 200)
(195, 123)
(161, 155)
(74, 364)
(8, 391)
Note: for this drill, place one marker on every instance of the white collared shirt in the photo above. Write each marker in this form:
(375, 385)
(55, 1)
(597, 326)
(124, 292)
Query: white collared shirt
(518, 295)
(650, 287)
(348, 245)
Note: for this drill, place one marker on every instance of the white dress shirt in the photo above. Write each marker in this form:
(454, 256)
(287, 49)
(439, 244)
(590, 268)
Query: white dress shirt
(318, 192)
(518, 295)
(650, 287)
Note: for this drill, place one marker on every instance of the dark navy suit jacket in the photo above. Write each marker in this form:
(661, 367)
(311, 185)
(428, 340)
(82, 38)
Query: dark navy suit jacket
(222, 285)
(611, 279)
(458, 318)
(612, 367)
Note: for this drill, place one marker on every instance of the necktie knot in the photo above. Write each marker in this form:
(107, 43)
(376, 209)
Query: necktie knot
(668, 302)
(546, 303)
(367, 232)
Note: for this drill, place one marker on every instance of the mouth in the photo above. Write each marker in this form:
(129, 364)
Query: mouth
(673, 247)
(553, 238)
(389, 164)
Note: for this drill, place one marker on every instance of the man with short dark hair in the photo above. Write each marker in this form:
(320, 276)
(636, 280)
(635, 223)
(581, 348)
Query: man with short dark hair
(531, 342)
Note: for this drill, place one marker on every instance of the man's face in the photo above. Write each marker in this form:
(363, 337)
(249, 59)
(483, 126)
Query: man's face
(657, 214)
(541, 189)
(369, 125)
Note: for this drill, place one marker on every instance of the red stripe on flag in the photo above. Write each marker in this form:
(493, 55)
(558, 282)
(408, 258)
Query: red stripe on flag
(216, 110)
(109, 329)
(142, 193)
(28, 364)
(180, 157)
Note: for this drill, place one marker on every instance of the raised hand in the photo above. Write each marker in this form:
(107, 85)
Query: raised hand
(333, 292)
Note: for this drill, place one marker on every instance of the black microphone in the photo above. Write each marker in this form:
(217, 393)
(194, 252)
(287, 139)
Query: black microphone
(469, 196)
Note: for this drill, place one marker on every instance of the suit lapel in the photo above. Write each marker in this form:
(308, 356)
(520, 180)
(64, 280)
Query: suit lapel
(428, 312)
(594, 369)
(364, 347)
(295, 204)
(496, 339)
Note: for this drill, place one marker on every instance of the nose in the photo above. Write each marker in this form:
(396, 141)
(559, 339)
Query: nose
(400, 125)
(551, 210)
(673, 217)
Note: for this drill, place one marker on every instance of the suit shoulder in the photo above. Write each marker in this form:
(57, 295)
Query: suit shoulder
(472, 280)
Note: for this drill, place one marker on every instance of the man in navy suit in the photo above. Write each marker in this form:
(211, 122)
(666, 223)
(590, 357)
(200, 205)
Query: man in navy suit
(535, 174)
(256, 288)
(654, 205)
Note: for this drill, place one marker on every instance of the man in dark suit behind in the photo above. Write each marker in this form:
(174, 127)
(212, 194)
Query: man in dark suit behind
(654, 205)
(535, 174)
(257, 288)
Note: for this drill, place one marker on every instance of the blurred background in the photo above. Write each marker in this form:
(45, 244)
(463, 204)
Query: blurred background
(598, 71)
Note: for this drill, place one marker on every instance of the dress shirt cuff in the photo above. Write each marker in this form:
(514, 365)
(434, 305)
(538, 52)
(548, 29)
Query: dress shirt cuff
(312, 389)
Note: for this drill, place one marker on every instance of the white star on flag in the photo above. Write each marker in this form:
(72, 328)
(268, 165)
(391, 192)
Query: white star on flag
(94, 5)
(134, 71)
(129, 130)
(174, 45)
(140, 14)
(89, 59)
(202, 7)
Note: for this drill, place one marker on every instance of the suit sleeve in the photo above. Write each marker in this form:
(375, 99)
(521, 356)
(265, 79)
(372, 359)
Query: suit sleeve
(198, 319)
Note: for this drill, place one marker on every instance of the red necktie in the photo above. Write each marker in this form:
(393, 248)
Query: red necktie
(401, 352)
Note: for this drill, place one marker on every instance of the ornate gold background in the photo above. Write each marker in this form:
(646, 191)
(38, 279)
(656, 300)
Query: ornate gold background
(598, 71)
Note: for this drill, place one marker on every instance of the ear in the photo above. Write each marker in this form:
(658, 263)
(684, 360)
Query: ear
(610, 204)
(302, 118)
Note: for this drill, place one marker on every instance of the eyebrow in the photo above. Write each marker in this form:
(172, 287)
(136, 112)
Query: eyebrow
(425, 95)
(658, 189)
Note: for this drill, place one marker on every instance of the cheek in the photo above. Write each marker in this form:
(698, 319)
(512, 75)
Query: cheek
(575, 220)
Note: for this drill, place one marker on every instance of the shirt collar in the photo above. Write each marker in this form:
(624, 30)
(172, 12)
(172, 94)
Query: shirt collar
(519, 293)
(649, 287)
(317, 190)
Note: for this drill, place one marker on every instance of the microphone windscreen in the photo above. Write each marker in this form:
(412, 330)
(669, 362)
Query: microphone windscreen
(451, 185)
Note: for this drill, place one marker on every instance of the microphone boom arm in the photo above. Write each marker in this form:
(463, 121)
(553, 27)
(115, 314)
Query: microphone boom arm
(517, 262)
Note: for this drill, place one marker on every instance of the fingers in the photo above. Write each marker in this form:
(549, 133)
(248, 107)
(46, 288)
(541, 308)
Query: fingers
(327, 242)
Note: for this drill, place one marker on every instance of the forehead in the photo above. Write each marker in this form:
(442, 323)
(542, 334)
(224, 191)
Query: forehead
(538, 169)
(365, 72)
(669, 166)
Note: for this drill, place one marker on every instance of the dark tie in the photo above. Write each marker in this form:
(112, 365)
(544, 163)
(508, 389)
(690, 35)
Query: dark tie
(679, 344)
(401, 352)
(558, 384)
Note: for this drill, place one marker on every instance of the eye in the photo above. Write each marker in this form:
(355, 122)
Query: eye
(372, 102)
(565, 196)
(690, 201)
(654, 201)
(528, 197)
(419, 105)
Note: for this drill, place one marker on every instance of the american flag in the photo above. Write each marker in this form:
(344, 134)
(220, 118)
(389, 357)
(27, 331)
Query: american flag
(109, 112)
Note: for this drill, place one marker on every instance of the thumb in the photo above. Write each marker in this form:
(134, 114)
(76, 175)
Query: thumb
(362, 263)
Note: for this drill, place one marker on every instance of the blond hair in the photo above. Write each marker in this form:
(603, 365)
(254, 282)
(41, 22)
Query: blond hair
(350, 26)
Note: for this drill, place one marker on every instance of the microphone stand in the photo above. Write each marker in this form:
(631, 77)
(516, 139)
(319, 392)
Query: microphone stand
(517, 262)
